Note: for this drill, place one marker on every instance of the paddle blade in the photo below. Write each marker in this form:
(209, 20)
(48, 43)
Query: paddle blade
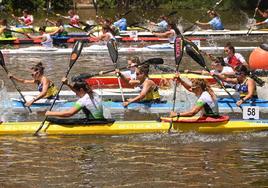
(2, 60)
(177, 31)
(78, 46)
(193, 51)
(113, 50)
(154, 61)
(178, 50)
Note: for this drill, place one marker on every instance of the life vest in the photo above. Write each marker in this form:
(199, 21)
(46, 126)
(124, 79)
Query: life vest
(51, 92)
(243, 89)
(233, 61)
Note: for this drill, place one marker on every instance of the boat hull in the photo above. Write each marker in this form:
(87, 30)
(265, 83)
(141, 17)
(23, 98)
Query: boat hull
(133, 127)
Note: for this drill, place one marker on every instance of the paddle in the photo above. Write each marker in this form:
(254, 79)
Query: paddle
(255, 12)
(95, 6)
(113, 51)
(2, 63)
(213, 9)
(152, 61)
(136, 24)
(178, 53)
(78, 46)
(193, 51)
(13, 31)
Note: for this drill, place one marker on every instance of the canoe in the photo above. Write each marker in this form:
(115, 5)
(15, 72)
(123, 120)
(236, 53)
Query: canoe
(110, 127)
(102, 49)
(73, 38)
(112, 82)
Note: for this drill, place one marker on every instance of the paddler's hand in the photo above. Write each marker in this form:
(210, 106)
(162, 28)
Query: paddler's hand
(57, 14)
(197, 22)
(65, 81)
(117, 72)
(10, 76)
(173, 114)
(29, 103)
(125, 104)
(48, 113)
(186, 71)
(177, 77)
(238, 103)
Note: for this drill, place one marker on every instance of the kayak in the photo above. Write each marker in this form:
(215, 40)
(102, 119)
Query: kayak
(112, 82)
(226, 105)
(101, 49)
(73, 38)
(111, 127)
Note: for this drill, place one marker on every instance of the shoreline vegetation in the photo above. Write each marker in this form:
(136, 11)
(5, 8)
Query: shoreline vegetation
(35, 5)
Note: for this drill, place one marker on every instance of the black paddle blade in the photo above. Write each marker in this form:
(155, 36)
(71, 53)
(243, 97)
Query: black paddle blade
(113, 50)
(154, 61)
(78, 46)
(193, 51)
(2, 60)
(177, 31)
(178, 50)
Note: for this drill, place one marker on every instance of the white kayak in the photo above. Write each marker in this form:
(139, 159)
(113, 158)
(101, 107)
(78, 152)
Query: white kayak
(115, 94)
(208, 32)
(100, 49)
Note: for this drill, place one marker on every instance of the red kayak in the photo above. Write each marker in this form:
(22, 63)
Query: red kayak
(163, 80)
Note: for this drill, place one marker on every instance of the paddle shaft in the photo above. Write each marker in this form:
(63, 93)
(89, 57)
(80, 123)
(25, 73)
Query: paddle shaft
(255, 12)
(18, 32)
(17, 88)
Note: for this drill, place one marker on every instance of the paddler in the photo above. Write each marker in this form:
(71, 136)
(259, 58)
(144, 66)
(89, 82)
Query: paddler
(89, 102)
(170, 34)
(245, 85)
(233, 59)
(206, 102)
(4, 32)
(60, 31)
(107, 34)
(121, 24)
(73, 17)
(215, 23)
(148, 89)
(45, 86)
(47, 41)
(264, 14)
(26, 19)
(162, 26)
(132, 63)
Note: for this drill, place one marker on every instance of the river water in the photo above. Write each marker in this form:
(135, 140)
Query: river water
(145, 160)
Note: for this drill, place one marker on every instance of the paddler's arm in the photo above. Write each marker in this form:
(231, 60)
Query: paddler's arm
(162, 35)
(260, 23)
(20, 79)
(251, 88)
(146, 87)
(51, 22)
(183, 83)
(202, 23)
(65, 81)
(66, 113)
(190, 113)
(260, 12)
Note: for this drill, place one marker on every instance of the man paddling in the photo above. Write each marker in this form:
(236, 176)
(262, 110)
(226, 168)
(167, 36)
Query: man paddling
(264, 14)
(26, 19)
(215, 23)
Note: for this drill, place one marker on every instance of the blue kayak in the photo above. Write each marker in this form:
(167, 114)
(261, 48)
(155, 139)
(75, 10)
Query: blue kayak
(225, 105)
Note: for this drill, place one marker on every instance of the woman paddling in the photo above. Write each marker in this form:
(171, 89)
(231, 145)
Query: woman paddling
(206, 102)
(233, 59)
(132, 63)
(245, 85)
(45, 86)
(4, 29)
(60, 31)
(215, 23)
(149, 90)
(170, 34)
(26, 19)
(47, 41)
(107, 34)
(264, 14)
(89, 102)
(162, 25)
(73, 17)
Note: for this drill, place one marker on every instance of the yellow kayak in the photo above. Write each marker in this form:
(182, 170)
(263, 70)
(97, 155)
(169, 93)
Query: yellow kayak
(219, 125)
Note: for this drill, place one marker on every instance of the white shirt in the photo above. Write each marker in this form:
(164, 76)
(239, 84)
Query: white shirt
(48, 43)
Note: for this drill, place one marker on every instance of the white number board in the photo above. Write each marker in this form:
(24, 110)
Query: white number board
(251, 112)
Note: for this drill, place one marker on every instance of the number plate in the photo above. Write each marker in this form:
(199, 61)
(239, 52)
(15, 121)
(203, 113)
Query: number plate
(251, 112)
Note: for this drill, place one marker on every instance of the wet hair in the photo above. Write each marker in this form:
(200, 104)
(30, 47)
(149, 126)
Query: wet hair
(242, 69)
(203, 84)
(135, 59)
(144, 69)
(81, 84)
(38, 67)
(230, 47)
(43, 28)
